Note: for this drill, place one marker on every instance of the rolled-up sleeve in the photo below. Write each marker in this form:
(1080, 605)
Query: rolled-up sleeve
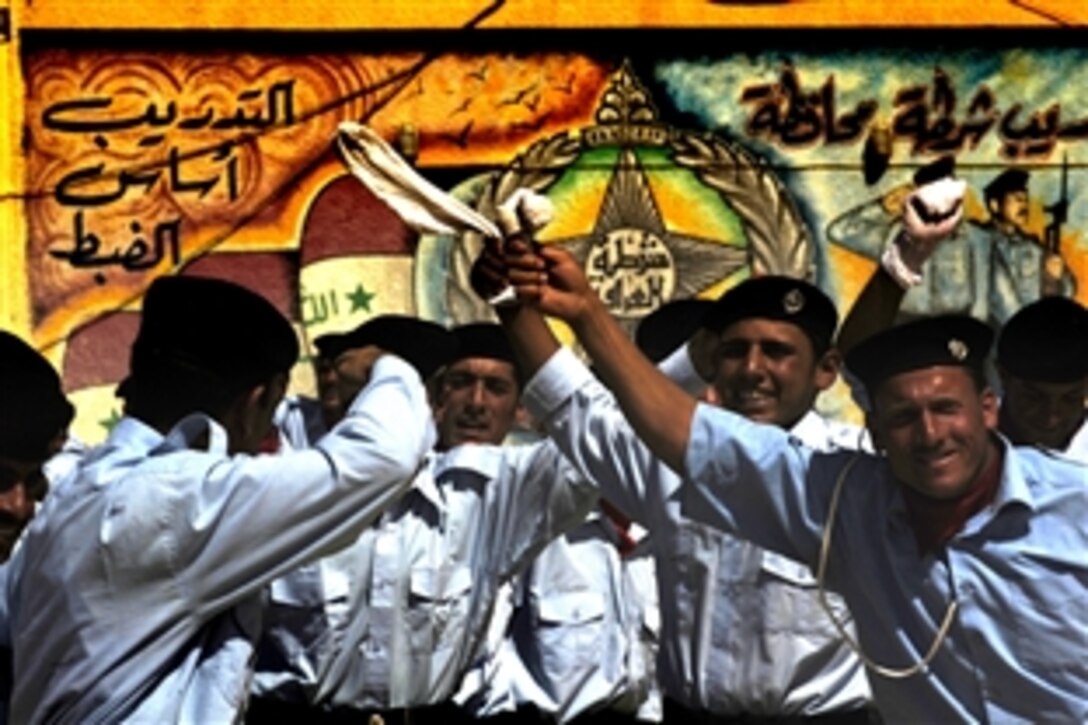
(756, 481)
(585, 422)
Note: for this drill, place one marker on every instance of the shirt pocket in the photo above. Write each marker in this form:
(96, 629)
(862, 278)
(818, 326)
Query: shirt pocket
(792, 602)
(569, 631)
(438, 607)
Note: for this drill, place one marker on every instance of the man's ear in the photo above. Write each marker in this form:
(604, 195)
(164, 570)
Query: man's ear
(704, 348)
(989, 401)
(827, 369)
(269, 392)
(248, 416)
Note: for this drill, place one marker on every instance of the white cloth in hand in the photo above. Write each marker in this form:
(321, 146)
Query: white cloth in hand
(424, 207)
(930, 214)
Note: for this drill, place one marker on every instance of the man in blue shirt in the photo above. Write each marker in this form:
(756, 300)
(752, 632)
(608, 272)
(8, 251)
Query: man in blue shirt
(961, 558)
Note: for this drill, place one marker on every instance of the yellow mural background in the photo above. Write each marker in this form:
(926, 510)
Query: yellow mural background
(526, 100)
(374, 15)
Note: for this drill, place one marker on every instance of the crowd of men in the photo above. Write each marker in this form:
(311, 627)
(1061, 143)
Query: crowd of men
(676, 535)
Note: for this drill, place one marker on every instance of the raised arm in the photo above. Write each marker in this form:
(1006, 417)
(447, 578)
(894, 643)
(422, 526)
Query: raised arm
(549, 282)
(930, 214)
(256, 517)
(874, 310)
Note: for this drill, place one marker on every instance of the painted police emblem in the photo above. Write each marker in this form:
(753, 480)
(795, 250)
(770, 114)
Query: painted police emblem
(793, 301)
(958, 349)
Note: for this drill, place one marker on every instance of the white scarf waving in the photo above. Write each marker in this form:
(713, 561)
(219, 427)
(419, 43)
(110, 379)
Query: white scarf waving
(424, 207)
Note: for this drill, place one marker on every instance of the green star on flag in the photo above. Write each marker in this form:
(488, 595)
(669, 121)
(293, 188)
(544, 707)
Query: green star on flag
(111, 420)
(360, 298)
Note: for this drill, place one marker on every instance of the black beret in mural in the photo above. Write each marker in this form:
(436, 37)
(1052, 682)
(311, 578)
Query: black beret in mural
(212, 326)
(424, 345)
(669, 326)
(943, 167)
(483, 339)
(1007, 181)
(778, 298)
(33, 407)
(1046, 341)
(956, 340)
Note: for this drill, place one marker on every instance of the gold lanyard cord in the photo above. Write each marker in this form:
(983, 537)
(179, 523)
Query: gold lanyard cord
(821, 570)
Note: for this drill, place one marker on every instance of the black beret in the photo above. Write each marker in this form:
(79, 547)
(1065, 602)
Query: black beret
(425, 345)
(778, 298)
(1007, 181)
(669, 326)
(214, 327)
(935, 171)
(483, 339)
(1046, 342)
(33, 407)
(329, 345)
(956, 340)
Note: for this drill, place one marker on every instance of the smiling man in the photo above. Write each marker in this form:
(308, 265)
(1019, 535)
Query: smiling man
(742, 632)
(960, 556)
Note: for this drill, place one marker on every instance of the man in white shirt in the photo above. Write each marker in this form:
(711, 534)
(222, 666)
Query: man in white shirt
(406, 607)
(137, 593)
(304, 601)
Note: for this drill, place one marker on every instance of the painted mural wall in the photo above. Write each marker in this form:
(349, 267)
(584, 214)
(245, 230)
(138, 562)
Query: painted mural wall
(676, 171)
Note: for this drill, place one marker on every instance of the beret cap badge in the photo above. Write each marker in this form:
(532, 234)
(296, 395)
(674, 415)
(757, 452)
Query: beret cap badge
(958, 349)
(793, 301)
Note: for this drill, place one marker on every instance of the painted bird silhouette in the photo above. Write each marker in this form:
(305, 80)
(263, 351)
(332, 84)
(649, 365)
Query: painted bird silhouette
(461, 138)
(463, 107)
(535, 125)
(567, 87)
(480, 73)
(519, 96)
